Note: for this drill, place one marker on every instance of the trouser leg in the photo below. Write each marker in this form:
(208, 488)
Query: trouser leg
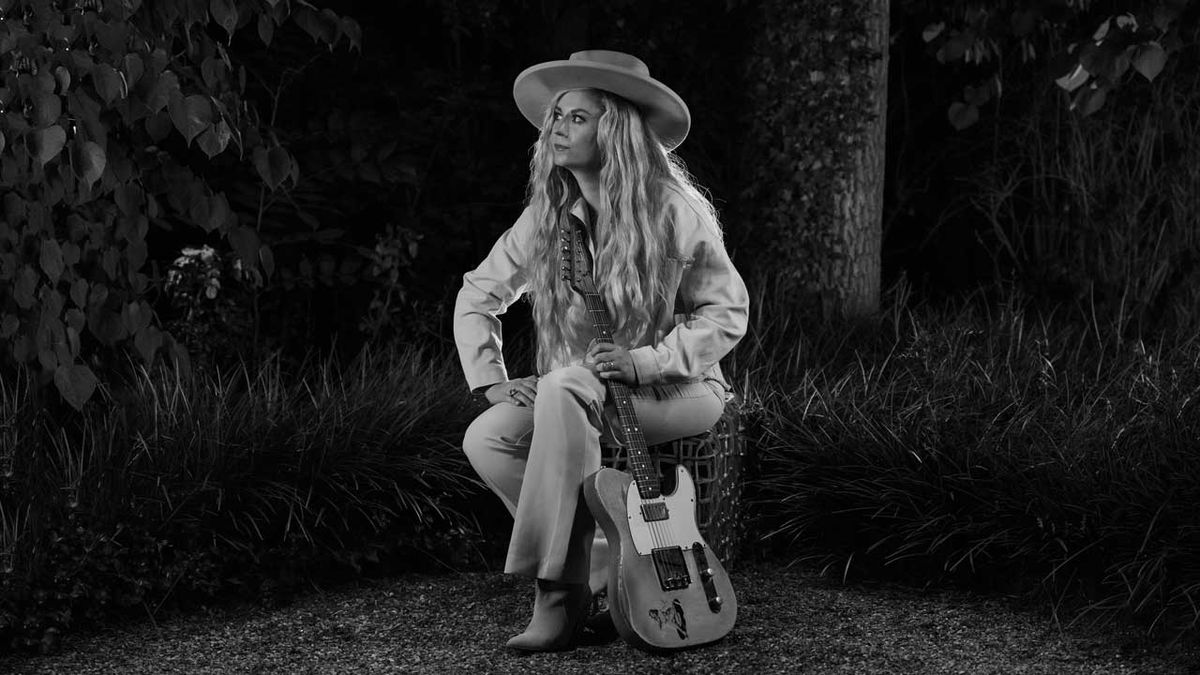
(552, 529)
(535, 460)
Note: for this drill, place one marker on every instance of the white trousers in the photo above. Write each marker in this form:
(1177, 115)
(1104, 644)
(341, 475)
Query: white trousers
(535, 460)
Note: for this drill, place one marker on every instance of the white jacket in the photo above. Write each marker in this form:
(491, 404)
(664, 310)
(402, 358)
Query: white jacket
(711, 308)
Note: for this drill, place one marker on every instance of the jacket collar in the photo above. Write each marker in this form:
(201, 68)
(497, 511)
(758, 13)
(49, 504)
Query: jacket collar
(581, 211)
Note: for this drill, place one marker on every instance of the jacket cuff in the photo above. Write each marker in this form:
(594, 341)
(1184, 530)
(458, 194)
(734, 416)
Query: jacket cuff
(486, 377)
(645, 365)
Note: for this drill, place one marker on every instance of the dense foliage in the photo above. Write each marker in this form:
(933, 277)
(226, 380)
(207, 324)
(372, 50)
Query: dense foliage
(254, 482)
(1000, 451)
(114, 112)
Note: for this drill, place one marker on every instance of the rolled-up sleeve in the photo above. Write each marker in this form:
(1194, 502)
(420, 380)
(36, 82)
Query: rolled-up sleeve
(486, 293)
(717, 302)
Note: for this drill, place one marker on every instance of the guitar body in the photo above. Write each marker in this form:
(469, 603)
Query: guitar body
(677, 598)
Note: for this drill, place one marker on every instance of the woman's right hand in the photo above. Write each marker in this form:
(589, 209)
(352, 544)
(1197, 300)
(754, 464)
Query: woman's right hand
(519, 392)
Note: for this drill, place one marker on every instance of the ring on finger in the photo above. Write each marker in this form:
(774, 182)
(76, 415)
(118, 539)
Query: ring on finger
(512, 391)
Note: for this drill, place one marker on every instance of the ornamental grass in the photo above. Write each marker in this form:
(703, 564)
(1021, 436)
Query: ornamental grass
(1002, 450)
(255, 481)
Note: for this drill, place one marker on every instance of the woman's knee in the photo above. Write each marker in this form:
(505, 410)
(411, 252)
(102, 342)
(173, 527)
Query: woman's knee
(575, 379)
(493, 430)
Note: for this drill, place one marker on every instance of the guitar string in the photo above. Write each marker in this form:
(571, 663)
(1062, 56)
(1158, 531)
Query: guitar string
(662, 532)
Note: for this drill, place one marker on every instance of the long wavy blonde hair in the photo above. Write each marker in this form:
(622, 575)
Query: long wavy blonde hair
(634, 235)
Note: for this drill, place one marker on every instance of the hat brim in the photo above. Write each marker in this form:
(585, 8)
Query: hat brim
(661, 107)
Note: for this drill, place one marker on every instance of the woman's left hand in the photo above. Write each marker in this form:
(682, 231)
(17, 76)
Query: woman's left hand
(612, 362)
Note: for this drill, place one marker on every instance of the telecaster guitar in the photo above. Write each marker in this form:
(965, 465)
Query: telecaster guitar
(666, 588)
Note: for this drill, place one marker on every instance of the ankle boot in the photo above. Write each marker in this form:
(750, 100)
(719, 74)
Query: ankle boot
(558, 612)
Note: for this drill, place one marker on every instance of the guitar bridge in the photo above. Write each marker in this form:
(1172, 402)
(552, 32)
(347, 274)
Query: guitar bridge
(671, 567)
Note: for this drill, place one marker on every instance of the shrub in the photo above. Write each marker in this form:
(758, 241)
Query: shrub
(252, 481)
(996, 450)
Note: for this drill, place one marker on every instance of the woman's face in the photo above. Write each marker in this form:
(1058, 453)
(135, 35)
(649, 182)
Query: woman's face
(573, 134)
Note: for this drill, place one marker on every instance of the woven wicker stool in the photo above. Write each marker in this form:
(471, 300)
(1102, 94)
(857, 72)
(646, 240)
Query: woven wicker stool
(714, 459)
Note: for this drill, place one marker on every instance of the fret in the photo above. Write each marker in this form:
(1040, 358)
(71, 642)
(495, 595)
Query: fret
(642, 468)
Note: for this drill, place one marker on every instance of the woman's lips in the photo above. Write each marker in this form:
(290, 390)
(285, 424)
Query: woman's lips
(560, 148)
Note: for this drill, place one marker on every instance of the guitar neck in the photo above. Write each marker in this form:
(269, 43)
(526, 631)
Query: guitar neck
(644, 472)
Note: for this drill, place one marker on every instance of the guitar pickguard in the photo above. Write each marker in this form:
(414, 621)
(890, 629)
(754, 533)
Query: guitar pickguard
(679, 529)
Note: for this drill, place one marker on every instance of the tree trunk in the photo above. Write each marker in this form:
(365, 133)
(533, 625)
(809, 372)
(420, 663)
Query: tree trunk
(813, 158)
(855, 276)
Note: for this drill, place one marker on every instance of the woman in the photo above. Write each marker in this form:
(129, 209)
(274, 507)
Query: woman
(676, 303)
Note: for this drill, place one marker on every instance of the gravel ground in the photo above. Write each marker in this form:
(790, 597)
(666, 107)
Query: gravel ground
(789, 622)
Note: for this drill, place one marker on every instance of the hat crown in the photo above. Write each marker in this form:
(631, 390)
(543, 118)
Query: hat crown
(610, 58)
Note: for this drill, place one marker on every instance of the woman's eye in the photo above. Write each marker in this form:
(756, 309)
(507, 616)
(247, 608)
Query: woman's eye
(578, 119)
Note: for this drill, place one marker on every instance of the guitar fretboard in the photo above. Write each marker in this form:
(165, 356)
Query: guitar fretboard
(644, 472)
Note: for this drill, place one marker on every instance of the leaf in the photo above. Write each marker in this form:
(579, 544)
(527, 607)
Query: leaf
(218, 212)
(46, 358)
(266, 29)
(71, 253)
(108, 261)
(25, 286)
(51, 260)
(932, 31)
(76, 383)
(245, 243)
(214, 71)
(76, 319)
(158, 126)
(267, 258)
(225, 13)
(63, 77)
(133, 68)
(148, 341)
(273, 165)
(1089, 99)
(73, 338)
(79, 291)
(1074, 79)
(215, 139)
(91, 162)
(8, 326)
(136, 316)
(1149, 60)
(191, 115)
(108, 82)
(46, 109)
(2, 142)
(955, 48)
(47, 143)
(963, 115)
(136, 253)
(108, 327)
(164, 89)
(353, 32)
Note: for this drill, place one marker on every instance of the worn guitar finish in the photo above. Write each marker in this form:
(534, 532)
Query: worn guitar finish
(666, 588)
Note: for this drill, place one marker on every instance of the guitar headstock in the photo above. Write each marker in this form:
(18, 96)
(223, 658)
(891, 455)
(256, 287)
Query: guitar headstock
(576, 261)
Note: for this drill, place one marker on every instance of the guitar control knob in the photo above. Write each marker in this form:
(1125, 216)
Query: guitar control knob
(716, 601)
(706, 573)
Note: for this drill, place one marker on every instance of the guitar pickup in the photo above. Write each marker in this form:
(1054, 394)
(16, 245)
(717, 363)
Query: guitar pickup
(654, 511)
(706, 578)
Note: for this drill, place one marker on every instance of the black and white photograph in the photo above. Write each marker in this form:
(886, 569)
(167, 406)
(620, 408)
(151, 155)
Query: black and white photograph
(583, 336)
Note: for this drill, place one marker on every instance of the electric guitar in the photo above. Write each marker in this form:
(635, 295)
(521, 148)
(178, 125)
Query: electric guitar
(666, 588)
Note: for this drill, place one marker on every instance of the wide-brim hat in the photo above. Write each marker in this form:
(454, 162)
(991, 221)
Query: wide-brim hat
(617, 72)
